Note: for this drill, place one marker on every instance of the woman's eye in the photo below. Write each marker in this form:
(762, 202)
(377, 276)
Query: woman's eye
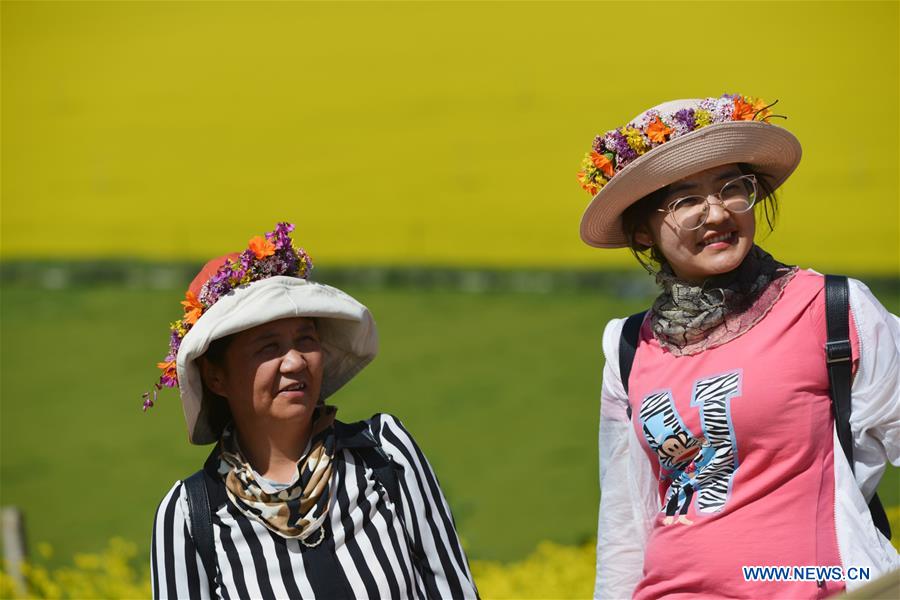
(270, 347)
(689, 202)
(735, 190)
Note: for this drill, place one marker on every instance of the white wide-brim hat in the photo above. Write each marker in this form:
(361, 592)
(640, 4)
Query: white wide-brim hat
(346, 328)
(772, 152)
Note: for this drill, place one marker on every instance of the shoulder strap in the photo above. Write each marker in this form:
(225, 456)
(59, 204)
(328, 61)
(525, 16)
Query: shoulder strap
(628, 343)
(359, 438)
(205, 495)
(201, 522)
(838, 357)
(384, 469)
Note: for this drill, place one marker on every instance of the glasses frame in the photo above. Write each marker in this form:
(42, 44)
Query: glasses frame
(670, 206)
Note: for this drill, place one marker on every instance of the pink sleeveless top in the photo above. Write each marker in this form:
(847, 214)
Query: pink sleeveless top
(740, 437)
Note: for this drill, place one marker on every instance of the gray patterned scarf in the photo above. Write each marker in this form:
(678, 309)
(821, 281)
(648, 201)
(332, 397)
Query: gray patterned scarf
(688, 318)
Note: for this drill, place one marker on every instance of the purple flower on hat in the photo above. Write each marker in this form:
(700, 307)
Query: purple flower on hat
(168, 381)
(598, 146)
(683, 121)
(616, 142)
(289, 261)
(174, 344)
(306, 264)
(281, 236)
(219, 284)
(247, 258)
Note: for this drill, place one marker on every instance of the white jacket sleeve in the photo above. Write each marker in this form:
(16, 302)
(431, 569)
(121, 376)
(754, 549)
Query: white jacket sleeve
(875, 399)
(628, 496)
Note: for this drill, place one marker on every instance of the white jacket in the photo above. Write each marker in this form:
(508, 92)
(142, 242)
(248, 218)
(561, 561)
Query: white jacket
(629, 502)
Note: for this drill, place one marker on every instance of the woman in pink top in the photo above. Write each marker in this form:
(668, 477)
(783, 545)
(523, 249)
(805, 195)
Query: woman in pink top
(718, 454)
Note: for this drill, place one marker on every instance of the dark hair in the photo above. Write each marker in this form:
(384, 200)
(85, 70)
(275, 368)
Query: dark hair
(214, 405)
(636, 216)
(216, 351)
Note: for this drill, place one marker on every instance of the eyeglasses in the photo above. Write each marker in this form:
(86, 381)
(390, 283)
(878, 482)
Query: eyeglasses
(736, 196)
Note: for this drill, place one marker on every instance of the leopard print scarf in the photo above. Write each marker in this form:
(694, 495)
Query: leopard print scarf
(299, 510)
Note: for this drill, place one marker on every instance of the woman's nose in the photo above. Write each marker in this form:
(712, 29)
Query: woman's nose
(717, 211)
(293, 361)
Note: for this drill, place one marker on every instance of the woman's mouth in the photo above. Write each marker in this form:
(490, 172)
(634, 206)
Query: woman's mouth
(719, 241)
(294, 387)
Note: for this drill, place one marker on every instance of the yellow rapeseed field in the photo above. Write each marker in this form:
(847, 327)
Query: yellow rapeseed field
(551, 571)
(418, 133)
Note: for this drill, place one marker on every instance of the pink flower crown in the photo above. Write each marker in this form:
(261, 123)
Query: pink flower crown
(274, 254)
(614, 150)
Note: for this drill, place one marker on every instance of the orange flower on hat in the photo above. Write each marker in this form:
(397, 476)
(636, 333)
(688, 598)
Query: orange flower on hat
(588, 184)
(657, 131)
(169, 378)
(262, 247)
(743, 110)
(168, 368)
(192, 307)
(603, 163)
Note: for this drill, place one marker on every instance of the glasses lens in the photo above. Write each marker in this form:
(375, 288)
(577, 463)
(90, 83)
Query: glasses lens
(690, 211)
(739, 195)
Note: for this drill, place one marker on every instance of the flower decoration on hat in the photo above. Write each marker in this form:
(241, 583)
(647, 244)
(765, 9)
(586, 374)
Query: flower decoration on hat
(269, 256)
(614, 150)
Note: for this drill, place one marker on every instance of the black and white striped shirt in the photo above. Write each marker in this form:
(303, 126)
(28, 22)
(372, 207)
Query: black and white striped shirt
(372, 548)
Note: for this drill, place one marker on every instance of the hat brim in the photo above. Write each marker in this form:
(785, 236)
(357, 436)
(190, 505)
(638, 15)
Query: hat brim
(772, 151)
(348, 335)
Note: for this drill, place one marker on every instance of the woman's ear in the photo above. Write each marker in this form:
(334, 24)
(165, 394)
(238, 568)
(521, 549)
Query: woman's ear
(643, 237)
(213, 376)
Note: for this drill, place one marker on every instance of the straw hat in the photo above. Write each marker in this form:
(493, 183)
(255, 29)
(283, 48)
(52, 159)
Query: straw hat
(674, 140)
(236, 292)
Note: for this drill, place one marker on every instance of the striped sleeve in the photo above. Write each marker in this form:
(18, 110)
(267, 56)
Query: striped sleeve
(426, 516)
(176, 569)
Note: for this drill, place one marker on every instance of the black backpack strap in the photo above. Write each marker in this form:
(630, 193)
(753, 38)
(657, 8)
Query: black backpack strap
(359, 439)
(205, 494)
(201, 524)
(385, 471)
(628, 343)
(838, 359)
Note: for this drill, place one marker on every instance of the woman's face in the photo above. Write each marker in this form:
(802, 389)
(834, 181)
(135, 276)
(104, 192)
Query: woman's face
(271, 373)
(718, 246)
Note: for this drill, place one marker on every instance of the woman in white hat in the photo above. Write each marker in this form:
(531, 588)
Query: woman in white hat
(718, 448)
(291, 502)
